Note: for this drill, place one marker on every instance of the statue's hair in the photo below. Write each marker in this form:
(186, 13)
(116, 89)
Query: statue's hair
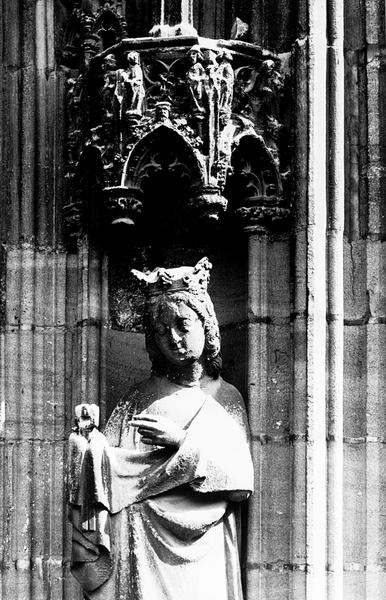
(203, 307)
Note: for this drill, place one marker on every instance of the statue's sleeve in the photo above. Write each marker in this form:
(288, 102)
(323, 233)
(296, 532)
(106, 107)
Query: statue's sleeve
(220, 446)
(214, 457)
(121, 416)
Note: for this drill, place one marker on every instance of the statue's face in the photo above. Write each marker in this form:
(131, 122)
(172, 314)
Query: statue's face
(132, 58)
(179, 333)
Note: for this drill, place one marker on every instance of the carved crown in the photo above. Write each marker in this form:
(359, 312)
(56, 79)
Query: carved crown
(187, 279)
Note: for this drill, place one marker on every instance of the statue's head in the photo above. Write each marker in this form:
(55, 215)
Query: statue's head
(195, 53)
(110, 62)
(180, 323)
(225, 55)
(268, 67)
(162, 110)
(132, 57)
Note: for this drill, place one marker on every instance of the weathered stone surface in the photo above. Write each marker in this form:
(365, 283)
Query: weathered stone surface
(355, 378)
(356, 305)
(355, 585)
(278, 281)
(275, 503)
(234, 343)
(355, 527)
(375, 25)
(275, 583)
(32, 511)
(127, 363)
(355, 23)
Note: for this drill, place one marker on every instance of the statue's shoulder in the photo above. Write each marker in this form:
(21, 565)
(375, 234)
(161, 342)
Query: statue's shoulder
(133, 401)
(223, 391)
(228, 396)
(230, 391)
(139, 392)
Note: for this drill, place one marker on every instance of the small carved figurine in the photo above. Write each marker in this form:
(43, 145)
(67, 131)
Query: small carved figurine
(74, 100)
(154, 501)
(226, 79)
(239, 29)
(211, 79)
(110, 79)
(130, 91)
(195, 79)
(268, 85)
(211, 67)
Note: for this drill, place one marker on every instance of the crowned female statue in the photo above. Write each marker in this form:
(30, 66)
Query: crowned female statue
(154, 500)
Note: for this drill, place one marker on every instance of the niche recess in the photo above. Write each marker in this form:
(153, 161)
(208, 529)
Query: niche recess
(176, 148)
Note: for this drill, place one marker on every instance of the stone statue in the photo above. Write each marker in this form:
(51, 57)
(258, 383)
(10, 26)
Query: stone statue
(154, 500)
(226, 81)
(211, 70)
(268, 87)
(74, 102)
(195, 79)
(130, 91)
(108, 90)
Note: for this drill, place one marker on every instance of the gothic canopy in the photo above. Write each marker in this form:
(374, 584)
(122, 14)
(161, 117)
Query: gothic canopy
(201, 118)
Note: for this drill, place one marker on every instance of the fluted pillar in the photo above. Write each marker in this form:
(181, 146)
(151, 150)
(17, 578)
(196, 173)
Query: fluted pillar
(33, 283)
(52, 307)
(309, 540)
(257, 380)
(318, 305)
(335, 299)
(268, 381)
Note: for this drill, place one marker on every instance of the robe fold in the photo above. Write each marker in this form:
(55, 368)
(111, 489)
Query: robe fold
(155, 523)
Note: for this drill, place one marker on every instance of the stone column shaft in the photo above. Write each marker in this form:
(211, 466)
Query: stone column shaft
(309, 417)
(52, 320)
(257, 397)
(32, 322)
(335, 351)
(87, 316)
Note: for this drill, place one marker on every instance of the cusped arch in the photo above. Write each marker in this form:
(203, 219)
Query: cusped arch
(72, 42)
(162, 170)
(163, 149)
(255, 170)
(109, 27)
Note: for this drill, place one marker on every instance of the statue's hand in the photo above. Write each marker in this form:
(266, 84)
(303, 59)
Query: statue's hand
(158, 431)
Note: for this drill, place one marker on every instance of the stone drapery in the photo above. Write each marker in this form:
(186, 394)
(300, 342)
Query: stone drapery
(161, 523)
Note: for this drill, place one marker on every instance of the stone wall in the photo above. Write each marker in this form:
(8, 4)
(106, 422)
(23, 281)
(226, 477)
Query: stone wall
(364, 397)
